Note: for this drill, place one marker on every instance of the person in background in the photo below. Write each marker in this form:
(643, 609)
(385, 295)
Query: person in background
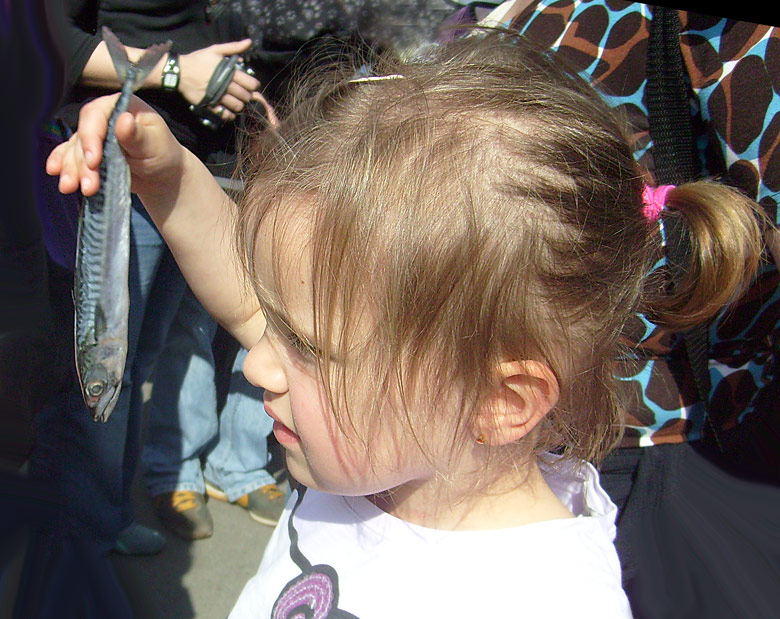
(189, 448)
(91, 466)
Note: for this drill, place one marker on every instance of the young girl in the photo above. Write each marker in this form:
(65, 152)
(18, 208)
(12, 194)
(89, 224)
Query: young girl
(445, 253)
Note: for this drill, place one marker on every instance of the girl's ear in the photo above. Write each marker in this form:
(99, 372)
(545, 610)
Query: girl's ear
(525, 393)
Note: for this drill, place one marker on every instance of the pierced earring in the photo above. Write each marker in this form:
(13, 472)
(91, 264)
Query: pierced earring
(481, 439)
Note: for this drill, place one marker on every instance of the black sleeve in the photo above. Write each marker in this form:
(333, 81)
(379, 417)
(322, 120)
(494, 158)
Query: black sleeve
(74, 25)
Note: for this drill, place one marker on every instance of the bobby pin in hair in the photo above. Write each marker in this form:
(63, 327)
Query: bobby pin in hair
(375, 78)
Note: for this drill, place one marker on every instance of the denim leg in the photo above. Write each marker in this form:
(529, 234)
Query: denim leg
(182, 411)
(237, 463)
(89, 465)
(150, 250)
(164, 300)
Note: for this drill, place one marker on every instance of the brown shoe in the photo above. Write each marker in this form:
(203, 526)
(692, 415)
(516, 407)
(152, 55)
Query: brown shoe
(184, 513)
(265, 505)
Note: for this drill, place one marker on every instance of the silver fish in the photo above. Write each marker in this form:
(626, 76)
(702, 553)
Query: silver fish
(100, 292)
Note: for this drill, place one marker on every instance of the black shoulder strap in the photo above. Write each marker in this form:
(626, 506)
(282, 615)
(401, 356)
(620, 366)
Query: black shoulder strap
(674, 150)
(676, 161)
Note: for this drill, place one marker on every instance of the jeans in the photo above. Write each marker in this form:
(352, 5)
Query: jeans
(184, 426)
(90, 466)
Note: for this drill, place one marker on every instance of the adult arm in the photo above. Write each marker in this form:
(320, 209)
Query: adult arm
(196, 70)
(88, 63)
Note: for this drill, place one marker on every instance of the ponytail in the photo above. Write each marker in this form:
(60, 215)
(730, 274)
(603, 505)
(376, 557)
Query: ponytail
(724, 230)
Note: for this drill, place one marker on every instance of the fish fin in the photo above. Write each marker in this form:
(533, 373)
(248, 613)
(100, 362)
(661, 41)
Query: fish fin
(148, 61)
(118, 53)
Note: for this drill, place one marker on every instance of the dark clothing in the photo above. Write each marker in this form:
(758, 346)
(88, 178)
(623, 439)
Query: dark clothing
(137, 23)
(694, 539)
(141, 24)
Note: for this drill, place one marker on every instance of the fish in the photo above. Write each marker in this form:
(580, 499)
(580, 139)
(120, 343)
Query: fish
(100, 291)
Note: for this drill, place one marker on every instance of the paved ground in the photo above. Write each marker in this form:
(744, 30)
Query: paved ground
(193, 579)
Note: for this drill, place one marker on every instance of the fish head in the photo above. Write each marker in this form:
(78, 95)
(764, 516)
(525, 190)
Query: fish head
(100, 377)
(100, 392)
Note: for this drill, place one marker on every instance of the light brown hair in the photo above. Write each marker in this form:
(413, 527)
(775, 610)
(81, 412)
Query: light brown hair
(483, 207)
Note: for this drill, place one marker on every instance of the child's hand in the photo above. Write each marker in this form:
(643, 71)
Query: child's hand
(153, 154)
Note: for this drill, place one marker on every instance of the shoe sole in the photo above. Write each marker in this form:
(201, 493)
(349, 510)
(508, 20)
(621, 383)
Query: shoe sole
(125, 552)
(216, 493)
(266, 521)
(189, 537)
(182, 531)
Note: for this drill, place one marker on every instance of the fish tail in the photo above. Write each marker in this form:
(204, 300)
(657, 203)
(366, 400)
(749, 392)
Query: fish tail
(122, 63)
(118, 54)
(148, 61)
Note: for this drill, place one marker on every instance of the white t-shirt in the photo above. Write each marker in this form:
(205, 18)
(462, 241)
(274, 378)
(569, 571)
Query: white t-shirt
(344, 557)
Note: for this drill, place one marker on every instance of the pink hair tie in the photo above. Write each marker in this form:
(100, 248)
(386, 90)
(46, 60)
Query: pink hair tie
(654, 201)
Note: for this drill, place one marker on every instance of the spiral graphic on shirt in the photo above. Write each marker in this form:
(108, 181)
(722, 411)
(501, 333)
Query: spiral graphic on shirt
(309, 596)
(315, 593)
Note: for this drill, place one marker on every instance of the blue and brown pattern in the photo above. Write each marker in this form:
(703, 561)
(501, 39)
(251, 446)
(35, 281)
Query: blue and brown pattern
(734, 70)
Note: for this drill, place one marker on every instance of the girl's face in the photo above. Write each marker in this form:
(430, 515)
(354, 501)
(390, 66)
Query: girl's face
(319, 453)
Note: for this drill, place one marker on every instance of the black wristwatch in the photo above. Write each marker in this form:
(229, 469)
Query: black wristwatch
(170, 72)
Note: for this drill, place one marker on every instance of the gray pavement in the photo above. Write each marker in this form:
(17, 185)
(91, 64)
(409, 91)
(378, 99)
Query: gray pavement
(193, 579)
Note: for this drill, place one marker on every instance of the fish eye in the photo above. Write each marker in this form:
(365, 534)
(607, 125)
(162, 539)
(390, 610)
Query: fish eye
(95, 388)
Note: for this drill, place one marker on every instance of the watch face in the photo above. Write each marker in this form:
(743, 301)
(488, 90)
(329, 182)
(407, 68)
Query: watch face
(170, 80)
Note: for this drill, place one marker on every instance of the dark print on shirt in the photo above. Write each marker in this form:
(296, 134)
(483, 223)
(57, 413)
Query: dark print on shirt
(315, 593)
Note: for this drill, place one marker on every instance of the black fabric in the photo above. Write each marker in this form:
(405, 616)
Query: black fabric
(697, 540)
(140, 23)
(674, 150)
(25, 314)
(676, 162)
(283, 25)
(70, 576)
(288, 37)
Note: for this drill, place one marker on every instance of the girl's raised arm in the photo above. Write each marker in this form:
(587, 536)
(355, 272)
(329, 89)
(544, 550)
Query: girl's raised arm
(189, 208)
